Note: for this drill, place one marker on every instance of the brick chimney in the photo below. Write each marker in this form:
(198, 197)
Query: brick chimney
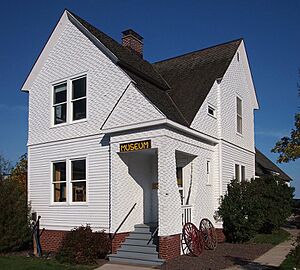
(133, 41)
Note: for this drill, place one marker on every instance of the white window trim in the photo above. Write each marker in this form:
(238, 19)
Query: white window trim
(52, 202)
(69, 102)
(240, 170)
(236, 115)
(69, 199)
(209, 105)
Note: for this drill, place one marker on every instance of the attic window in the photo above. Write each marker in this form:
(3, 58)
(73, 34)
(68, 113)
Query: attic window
(238, 56)
(211, 111)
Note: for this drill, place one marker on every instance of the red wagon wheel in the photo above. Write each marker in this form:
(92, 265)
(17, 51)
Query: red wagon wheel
(193, 242)
(208, 233)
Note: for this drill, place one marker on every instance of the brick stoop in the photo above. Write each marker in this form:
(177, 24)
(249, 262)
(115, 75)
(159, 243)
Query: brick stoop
(220, 235)
(169, 246)
(51, 240)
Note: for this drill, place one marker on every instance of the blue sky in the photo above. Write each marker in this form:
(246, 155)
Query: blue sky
(270, 29)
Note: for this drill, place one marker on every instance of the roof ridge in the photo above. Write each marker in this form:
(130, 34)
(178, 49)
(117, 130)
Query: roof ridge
(200, 50)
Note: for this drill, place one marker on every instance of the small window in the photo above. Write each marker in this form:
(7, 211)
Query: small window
(60, 103)
(237, 172)
(208, 171)
(79, 98)
(239, 115)
(78, 180)
(243, 173)
(211, 111)
(59, 181)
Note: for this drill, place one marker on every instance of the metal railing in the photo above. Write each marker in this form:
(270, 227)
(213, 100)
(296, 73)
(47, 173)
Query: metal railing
(186, 212)
(123, 221)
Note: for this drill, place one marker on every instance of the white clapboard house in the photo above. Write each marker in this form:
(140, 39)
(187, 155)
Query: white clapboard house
(113, 136)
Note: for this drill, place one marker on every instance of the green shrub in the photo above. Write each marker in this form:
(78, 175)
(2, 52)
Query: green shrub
(14, 217)
(82, 246)
(257, 206)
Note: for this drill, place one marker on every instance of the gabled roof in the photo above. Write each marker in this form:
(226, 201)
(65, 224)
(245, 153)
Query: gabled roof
(264, 166)
(192, 75)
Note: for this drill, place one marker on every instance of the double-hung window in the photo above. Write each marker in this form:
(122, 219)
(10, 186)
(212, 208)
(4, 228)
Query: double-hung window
(60, 103)
(59, 182)
(69, 181)
(239, 115)
(208, 172)
(79, 99)
(70, 101)
(239, 172)
(78, 180)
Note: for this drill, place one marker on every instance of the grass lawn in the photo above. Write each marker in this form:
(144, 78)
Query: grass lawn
(274, 238)
(24, 263)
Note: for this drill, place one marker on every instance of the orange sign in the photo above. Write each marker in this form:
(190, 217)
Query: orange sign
(135, 146)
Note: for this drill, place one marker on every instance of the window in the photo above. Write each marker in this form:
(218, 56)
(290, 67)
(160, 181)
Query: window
(69, 175)
(60, 103)
(239, 115)
(243, 174)
(79, 98)
(180, 183)
(63, 100)
(211, 111)
(239, 172)
(208, 172)
(78, 180)
(59, 181)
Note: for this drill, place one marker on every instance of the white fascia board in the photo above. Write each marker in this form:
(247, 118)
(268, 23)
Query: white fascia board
(54, 36)
(242, 49)
(165, 122)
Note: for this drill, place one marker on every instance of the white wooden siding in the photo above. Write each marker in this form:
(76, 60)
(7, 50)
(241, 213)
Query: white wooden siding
(74, 54)
(65, 217)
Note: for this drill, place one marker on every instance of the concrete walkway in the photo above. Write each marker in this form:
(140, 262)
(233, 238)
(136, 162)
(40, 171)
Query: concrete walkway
(274, 257)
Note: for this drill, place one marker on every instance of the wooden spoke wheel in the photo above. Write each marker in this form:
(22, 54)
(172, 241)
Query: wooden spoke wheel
(192, 240)
(208, 233)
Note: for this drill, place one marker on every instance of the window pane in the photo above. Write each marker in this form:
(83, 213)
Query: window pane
(59, 192)
(208, 167)
(59, 171)
(239, 106)
(79, 109)
(60, 93)
(243, 173)
(211, 110)
(78, 170)
(60, 113)
(239, 124)
(79, 88)
(79, 191)
(237, 172)
(179, 177)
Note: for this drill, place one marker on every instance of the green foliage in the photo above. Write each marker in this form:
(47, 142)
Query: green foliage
(276, 237)
(82, 246)
(19, 172)
(289, 147)
(24, 263)
(257, 206)
(14, 217)
(293, 259)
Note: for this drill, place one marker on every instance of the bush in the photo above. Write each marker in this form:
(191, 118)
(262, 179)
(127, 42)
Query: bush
(257, 206)
(14, 217)
(82, 246)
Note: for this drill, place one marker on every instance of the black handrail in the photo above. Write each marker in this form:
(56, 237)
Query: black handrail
(123, 221)
(152, 236)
